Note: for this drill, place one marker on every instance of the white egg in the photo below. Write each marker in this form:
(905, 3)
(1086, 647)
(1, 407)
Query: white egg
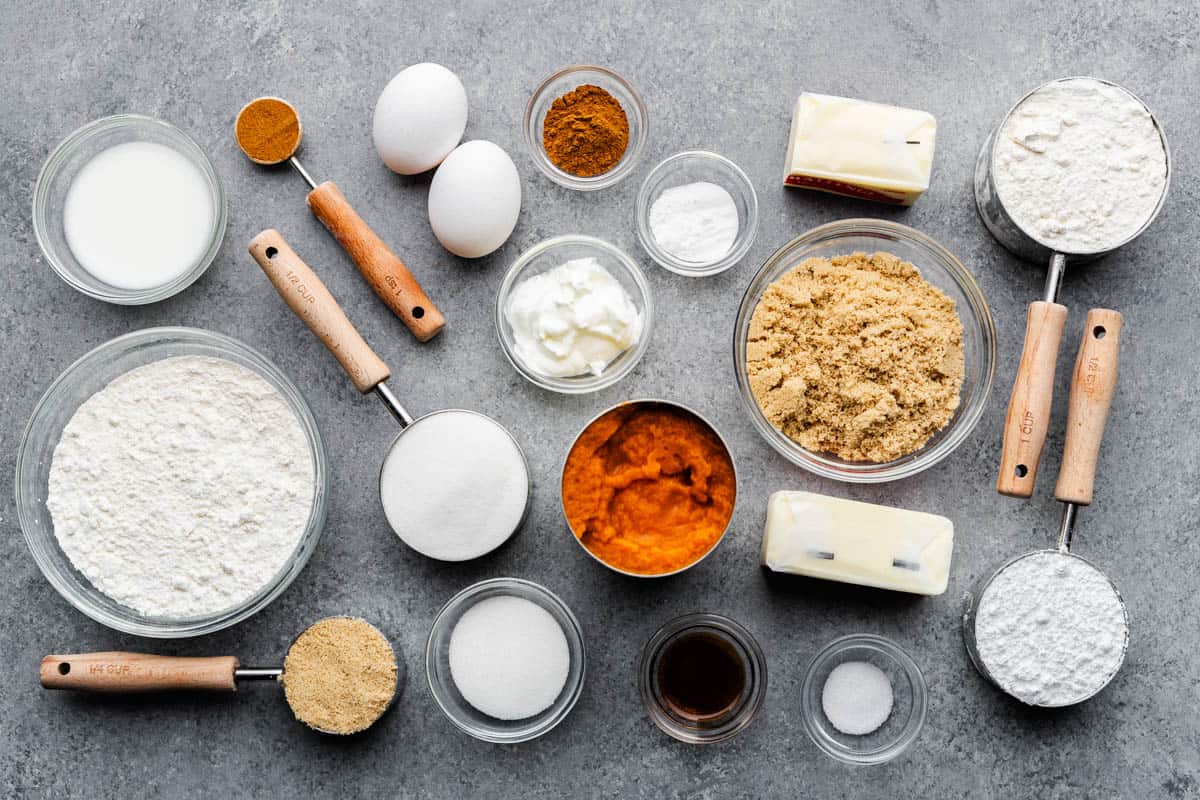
(475, 199)
(419, 118)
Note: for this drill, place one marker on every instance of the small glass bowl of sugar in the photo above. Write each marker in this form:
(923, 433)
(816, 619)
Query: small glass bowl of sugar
(863, 700)
(505, 660)
(697, 213)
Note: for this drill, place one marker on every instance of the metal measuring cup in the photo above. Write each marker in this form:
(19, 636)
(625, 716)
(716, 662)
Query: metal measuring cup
(1033, 388)
(140, 673)
(1092, 387)
(311, 301)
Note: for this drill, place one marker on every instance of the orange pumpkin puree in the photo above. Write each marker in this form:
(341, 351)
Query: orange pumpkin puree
(648, 488)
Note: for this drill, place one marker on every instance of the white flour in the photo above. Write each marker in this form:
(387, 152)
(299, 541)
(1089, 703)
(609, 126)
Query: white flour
(182, 487)
(1051, 629)
(695, 222)
(1080, 166)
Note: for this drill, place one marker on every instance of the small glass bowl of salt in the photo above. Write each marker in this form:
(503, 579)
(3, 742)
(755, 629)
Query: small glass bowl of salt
(505, 660)
(697, 213)
(863, 700)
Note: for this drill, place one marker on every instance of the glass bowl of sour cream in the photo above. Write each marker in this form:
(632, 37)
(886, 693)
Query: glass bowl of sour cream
(128, 209)
(574, 314)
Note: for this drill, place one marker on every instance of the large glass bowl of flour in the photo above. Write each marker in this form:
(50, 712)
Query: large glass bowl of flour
(77, 384)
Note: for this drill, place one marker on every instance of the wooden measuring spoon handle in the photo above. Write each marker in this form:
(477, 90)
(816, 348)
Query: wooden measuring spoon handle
(304, 293)
(1029, 404)
(138, 672)
(386, 273)
(1092, 387)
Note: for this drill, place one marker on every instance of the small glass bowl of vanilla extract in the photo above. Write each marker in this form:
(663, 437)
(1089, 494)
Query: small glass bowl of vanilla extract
(703, 678)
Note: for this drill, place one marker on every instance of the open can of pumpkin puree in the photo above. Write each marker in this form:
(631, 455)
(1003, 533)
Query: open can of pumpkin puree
(649, 488)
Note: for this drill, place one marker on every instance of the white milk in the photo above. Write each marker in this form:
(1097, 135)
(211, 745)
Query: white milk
(138, 215)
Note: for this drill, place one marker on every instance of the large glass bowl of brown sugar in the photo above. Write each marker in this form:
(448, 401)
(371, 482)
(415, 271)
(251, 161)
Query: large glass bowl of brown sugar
(864, 351)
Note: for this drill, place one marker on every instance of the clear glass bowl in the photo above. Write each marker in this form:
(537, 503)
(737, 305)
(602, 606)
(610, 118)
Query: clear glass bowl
(76, 384)
(553, 253)
(566, 80)
(745, 708)
(937, 266)
(451, 701)
(688, 167)
(60, 169)
(910, 700)
(647, 401)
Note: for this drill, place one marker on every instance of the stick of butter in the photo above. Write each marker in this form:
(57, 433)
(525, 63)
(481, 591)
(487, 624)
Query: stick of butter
(860, 149)
(843, 540)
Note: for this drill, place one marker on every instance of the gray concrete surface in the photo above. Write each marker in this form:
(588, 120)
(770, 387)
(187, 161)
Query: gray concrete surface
(721, 76)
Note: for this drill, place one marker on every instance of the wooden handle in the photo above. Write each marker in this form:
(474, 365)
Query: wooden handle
(386, 273)
(1032, 395)
(1092, 387)
(138, 672)
(304, 293)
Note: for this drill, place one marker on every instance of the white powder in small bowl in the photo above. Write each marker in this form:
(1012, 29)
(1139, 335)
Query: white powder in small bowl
(696, 222)
(182, 487)
(857, 698)
(509, 657)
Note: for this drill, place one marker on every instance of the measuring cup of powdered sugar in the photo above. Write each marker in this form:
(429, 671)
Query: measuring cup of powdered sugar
(1048, 627)
(1076, 169)
(340, 674)
(454, 483)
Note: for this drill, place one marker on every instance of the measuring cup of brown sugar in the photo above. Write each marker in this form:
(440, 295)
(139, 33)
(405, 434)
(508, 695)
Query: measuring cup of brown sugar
(703, 678)
(340, 675)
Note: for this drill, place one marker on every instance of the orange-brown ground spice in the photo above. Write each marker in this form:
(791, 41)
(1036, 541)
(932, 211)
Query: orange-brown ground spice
(585, 131)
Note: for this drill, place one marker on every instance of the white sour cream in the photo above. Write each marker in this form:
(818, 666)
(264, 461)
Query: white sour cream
(572, 320)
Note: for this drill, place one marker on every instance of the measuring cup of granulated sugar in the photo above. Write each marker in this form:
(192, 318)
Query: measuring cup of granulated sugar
(454, 483)
(340, 674)
(1076, 169)
(1048, 627)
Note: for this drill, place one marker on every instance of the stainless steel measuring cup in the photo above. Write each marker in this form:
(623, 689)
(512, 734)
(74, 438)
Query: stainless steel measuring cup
(1092, 387)
(140, 673)
(1033, 389)
(311, 301)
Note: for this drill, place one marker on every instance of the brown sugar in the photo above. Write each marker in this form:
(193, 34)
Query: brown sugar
(585, 131)
(857, 356)
(340, 675)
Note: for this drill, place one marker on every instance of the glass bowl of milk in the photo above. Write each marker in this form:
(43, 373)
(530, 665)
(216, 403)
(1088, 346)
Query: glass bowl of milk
(129, 210)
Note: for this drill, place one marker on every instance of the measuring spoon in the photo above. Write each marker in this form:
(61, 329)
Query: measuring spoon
(136, 673)
(1028, 416)
(1092, 386)
(383, 270)
(307, 296)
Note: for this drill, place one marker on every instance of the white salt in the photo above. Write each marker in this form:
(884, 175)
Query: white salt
(454, 485)
(509, 657)
(857, 698)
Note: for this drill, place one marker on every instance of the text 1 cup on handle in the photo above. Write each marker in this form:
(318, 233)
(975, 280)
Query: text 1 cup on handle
(122, 673)
(307, 296)
(382, 269)
(1092, 386)
(1029, 406)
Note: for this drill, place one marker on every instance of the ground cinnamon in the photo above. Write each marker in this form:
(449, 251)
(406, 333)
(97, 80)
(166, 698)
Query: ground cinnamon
(268, 130)
(586, 131)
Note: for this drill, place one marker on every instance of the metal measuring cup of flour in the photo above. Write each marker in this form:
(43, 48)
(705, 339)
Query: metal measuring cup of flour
(312, 302)
(1033, 389)
(143, 673)
(1092, 387)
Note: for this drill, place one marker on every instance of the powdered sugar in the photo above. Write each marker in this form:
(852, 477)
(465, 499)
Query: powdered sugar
(1051, 629)
(182, 487)
(1080, 165)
